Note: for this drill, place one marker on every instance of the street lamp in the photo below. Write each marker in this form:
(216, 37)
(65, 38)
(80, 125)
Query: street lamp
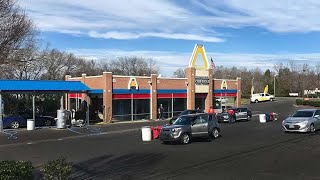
(274, 85)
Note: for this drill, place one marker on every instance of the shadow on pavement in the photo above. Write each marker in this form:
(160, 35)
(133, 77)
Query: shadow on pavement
(127, 166)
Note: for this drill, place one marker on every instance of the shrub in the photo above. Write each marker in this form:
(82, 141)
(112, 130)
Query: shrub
(299, 101)
(308, 103)
(57, 169)
(16, 170)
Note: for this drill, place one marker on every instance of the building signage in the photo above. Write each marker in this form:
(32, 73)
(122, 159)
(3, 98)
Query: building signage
(133, 84)
(224, 85)
(202, 81)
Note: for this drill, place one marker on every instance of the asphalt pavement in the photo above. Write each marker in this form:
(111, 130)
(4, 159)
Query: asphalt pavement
(246, 150)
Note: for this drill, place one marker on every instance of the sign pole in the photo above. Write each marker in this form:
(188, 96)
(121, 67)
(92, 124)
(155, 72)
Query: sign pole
(1, 122)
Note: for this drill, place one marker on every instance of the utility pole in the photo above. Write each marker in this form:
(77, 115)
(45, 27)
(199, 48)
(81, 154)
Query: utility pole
(274, 86)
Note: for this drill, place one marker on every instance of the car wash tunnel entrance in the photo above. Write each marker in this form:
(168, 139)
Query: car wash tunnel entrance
(35, 89)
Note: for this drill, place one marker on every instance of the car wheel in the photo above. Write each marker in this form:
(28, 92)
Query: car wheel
(256, 101)
(271, 99)
(47, 122)
(185, 138)
(248, 118)
(312, 129)
(15, 125)
(215, 133)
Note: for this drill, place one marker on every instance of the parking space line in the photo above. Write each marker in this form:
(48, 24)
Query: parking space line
(70, 137)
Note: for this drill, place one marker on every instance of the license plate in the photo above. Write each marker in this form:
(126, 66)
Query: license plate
(291, 126)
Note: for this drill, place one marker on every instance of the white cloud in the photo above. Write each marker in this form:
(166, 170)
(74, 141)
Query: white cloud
(170, 61)
(193, 20)
(129, 35)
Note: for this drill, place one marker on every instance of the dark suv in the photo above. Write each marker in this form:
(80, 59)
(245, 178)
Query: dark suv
(189, 126)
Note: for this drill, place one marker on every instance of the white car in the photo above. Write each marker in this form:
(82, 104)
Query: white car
(261, 97)
(223, 100)
(304, 120)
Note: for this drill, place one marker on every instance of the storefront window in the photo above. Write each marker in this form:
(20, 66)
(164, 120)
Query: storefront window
(141, 109)
(167, 105)
(180, 104)
(121, 109)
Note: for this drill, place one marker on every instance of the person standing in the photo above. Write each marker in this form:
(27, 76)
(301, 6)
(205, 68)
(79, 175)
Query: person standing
(232, 113)
(211, 110)
(161, 111)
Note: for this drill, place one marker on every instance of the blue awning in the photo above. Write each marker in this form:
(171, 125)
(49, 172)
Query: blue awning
(96, 91)
(43, 86)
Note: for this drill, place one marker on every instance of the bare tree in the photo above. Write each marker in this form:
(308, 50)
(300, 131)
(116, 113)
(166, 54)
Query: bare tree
(133, 66)
(180, 73)
(15, 27)
(24, 62)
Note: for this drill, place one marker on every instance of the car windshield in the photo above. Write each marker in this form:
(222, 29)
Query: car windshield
(184, 112)
(303, 114)
(183, 120)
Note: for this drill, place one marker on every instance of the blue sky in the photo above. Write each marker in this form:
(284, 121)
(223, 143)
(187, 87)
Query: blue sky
(242, 33)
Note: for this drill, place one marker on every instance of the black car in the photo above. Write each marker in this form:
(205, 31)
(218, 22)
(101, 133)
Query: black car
(241, 113)
(186, 112)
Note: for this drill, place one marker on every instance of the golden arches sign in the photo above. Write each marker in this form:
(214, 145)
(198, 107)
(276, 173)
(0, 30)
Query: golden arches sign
(198, 48)
(224, 85)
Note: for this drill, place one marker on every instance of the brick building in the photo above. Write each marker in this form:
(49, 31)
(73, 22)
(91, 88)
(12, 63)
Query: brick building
(123, 98)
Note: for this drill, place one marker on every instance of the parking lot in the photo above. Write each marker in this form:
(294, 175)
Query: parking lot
(246, 150)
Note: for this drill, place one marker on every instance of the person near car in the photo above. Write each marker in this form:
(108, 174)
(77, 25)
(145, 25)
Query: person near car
(211, 110)
(232, 113)
(161, 111)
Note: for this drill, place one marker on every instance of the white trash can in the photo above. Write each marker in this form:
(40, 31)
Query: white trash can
(146, 133)
(262, 118)
(30, 124)
(61, 119)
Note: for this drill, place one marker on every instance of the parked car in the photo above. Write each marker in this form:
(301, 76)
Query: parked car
(186, 112)
(189, 126)
(304, 120)
(261, 97)
(241, 113)
(18, 120)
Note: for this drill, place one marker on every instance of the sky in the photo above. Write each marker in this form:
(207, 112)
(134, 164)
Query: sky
(241, 33)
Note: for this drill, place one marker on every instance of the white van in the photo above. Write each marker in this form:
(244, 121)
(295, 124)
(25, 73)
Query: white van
(261, 97)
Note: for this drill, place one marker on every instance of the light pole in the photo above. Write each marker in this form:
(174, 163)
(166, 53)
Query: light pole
(274, 85)
(252, 82)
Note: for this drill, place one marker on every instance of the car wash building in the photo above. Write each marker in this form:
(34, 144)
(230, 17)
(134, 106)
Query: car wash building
(129, 98)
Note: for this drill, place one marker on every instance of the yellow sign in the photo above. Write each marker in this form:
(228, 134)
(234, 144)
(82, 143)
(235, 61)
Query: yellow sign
(224, 85)
(133, 84)
(198, 48)
(266, 89)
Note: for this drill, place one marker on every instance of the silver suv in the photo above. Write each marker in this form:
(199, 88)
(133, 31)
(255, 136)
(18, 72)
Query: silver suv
(189, 126)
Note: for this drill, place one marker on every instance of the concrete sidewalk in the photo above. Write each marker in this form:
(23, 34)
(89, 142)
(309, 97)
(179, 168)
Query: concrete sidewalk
(46, 134)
